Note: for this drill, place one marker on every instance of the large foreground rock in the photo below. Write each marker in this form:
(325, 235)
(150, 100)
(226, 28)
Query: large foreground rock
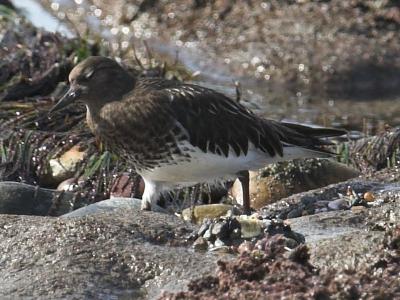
(124, 253)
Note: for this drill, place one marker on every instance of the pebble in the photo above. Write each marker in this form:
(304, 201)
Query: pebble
(207, 211)
(203, 228)
(207, 235)
(250, 228)
(369, 197)
(220, 229)
(338, 204)
(219, 243)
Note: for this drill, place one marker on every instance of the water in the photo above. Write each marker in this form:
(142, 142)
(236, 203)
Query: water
(39, 17)
(365, 114)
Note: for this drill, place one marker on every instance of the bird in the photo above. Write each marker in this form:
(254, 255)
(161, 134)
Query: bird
(177, 134)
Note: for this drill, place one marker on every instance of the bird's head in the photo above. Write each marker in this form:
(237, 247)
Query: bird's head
(96, 81)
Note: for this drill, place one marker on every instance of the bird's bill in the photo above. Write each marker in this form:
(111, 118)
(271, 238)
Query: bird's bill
(70, 96)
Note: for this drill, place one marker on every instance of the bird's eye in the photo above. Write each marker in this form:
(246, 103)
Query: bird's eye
(88, 74)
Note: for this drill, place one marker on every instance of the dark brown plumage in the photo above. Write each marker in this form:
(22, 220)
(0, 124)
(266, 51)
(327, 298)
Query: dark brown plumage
(174, 133)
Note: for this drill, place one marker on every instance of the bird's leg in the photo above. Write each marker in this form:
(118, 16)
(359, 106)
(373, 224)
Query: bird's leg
(244, 179)
(152, 191)
(193, 201)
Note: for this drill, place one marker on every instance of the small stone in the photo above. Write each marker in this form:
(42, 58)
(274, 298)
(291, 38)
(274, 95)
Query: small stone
(219, 243)
(207, 235)
(369, 197)
(250, 227)
(203, 228)
(295, 213)
(217, 228)
(321, 204)
(200, 244)
(69, 184)
(358, 209)
(65, 166)
(208, 211)
(338, 204)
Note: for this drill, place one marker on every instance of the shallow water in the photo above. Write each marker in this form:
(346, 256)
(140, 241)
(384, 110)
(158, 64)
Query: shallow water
(364, 113)
(39, 17)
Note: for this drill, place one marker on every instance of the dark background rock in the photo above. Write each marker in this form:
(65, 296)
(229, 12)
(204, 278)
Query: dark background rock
(23, 199)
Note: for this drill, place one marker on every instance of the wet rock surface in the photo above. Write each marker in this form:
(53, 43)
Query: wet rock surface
(127, 253)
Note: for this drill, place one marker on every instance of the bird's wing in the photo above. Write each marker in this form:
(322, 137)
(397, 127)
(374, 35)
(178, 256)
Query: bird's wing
(215, 123)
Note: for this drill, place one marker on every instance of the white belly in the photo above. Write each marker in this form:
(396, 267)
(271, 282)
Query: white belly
(209, 167)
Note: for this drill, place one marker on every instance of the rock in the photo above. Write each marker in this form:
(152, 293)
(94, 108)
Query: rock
(200, 244)
(109, 205)
(69, 184)
(338, 204)
(125, 253)
(203, 228)
(23, 199)
(207, 234)
(369, 197)
(219, 243)
(284, 179)
(250, 227)
(221, 230)
(65, 166)
(209, 211)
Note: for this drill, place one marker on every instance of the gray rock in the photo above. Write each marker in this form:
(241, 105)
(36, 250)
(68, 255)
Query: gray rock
(109, 205)
(24, 199)
(221, 229)
(208, 235)
(204, 227)
(338, 204)
(122, 254)
(105, 206)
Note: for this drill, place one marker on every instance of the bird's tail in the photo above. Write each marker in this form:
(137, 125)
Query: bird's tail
(310, 138)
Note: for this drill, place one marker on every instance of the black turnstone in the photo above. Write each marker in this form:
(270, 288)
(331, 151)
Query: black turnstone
(176, 134)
